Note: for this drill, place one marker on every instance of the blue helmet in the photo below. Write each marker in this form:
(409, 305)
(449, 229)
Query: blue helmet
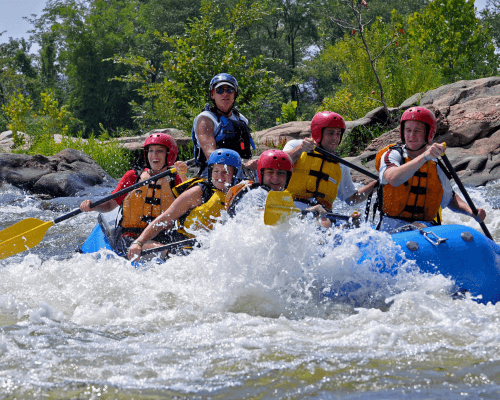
(224, 156)
(226, 79)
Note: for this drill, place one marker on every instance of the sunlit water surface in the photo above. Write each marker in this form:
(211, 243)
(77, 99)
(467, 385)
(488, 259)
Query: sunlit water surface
(242, 317)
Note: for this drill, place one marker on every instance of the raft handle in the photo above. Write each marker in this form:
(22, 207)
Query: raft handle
(438, 240)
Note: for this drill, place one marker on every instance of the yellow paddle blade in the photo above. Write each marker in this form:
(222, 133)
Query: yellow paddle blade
(279, 205)
(19, 227)
(26, 239)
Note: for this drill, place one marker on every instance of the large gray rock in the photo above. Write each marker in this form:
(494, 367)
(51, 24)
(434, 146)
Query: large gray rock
(64, 174)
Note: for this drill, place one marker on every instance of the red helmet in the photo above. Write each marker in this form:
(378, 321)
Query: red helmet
(326, 119)
(274, 159)
(164, 140)
(419, 114)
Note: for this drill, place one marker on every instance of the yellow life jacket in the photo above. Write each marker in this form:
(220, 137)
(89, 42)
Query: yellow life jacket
(143, 205)
(418, 199)
(186, 185)
(315, 176)
(204, 215)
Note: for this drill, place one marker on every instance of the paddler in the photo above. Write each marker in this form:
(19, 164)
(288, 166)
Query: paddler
(196, 208)
(274, 170)
(414, 182)
(317, 179)
(144, 204)
(221, 125)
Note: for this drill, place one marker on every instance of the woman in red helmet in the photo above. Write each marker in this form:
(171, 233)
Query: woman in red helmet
(143, 205)
(414, 184)
(317, 179)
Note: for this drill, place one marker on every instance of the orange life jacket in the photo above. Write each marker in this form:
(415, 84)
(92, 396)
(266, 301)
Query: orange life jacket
(235, 191)
(143, 205)
(418, 199)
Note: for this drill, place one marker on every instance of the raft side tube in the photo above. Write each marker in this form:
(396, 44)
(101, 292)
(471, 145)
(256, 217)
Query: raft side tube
(467, 256)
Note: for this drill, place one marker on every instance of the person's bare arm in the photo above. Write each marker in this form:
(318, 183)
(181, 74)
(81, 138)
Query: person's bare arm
(362, 194)
(205, 134)
(457, 204)
(306, 146)
(398, 175)
(186, 201)
(110, 205)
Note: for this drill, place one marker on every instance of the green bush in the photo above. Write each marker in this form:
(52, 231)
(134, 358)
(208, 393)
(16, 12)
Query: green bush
(41, 126)
(186, 152)
(288, 113)
(356, 140)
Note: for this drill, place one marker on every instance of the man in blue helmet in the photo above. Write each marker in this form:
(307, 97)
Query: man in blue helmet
(196, 208)
(220, 125)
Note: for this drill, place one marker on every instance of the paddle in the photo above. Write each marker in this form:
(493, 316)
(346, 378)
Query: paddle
(464, 192)
(280, 203)
(342, 161)
(28, 233)
(183, 243)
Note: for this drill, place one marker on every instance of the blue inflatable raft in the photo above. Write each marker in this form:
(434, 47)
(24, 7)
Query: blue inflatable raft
(455, 251)
(459, 252)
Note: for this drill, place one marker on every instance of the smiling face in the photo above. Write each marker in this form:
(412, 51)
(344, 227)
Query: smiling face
(330, 138)
(157, 156)
(275, 178)
(224, 101)
(222, 176)
(415, 135)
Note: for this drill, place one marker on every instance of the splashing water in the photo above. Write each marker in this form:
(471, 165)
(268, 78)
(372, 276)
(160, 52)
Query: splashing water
(257, 311)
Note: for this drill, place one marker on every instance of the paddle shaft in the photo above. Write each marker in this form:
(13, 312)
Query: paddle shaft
(114, 195)
(447, 162)
(342, 161)
(330, 216)
(187, 242)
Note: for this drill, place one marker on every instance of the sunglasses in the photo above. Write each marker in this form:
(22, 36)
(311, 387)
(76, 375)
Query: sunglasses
(223, 89)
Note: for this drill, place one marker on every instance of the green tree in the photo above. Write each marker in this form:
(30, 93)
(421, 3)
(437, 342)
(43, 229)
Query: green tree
(491, 15)
(330, 32)
(321, 77)
(84, 35)
(49, 69)
(201, 53)
(18, 74)
(161, 16)
(402, 68)
(458, 41)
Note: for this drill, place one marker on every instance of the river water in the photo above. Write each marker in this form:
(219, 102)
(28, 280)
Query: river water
(240, 318)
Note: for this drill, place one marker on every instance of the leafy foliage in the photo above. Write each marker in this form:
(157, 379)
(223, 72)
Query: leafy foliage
(288, 113)
(491, 15)
(458, 41)
(204, 52)
(139, 64)
(52, 120)
(403, 70)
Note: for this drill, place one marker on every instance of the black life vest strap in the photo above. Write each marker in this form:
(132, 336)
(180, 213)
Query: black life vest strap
(319, 175)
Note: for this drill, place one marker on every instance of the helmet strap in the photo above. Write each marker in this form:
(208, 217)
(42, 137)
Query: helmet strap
(421, 147)
(219, 111)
